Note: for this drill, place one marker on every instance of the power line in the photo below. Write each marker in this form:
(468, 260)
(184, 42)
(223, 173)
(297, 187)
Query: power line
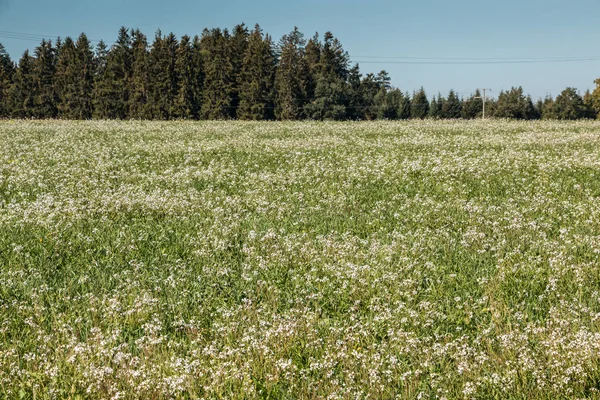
(539, 61)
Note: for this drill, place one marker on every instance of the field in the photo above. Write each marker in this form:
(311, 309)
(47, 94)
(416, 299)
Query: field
(231, 260)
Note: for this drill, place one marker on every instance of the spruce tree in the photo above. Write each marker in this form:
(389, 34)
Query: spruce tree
(238, 43)
(163, 85)
(514, 104)
(113, 86)
(588, 105)
(420, 105)
(219, 77)
(451, 109)
(473, 106)
(67, 80)
(185, 106)
(355, 110)
(7, 70)
(138, 107)
(21, 93)
(85, 87)
(569, 105)
(405, 107)
(257, 78)
(44, 70)
(291, 77)
(547, 110)
(369, 88)
(100, 93)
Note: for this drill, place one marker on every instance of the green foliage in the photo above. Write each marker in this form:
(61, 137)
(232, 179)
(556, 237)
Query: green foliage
(472, 107)
(569, 105)
(21, 93)
(291, 77)
(164, 85)
(138, 102)
(420, 105)
(45, 96)
(257, 78)
(514, 104)
(219, 75)
(452, 107)
(7, 70)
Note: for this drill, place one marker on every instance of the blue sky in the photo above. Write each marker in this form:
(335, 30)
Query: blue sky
(431, 29)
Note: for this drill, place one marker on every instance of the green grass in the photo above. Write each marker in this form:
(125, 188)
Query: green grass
(412, 260)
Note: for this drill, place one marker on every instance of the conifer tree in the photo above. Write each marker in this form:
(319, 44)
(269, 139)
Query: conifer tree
(85, 60)
(113, 88)
(420, 105)
(588, 106)
(219, 78)
(355, 110)
(45, 98)
(514, 104)
(568, 105)
(405, 107)
(21, 93)
(7, 69)
(67, 80)
(291, 77)
(257, 78)
(163, 87)
(138, 105)
(100, 93)
(451, 109)
(473, 106)
(186, 106)
(369, 88)
(238, 43)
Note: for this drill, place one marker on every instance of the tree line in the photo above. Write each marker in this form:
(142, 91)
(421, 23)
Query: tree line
(237, 74)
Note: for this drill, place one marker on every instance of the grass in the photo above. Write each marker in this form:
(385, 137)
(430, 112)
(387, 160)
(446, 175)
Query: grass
(413, 260)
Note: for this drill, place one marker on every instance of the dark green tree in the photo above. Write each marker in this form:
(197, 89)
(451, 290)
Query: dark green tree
(163, 85)
(257, 78)
(569, 105)
(452, 107)
(354, 110)
(113, 85)
(473, 106)
(219, 76)
(45, 98)
(291, 81)
(138, 103)
(419, 105)
(67, 80)
(514, 104)
(7, 70)
(238, 43)
(21, 93)
(188, 80)
(405, 108)
(588, 106)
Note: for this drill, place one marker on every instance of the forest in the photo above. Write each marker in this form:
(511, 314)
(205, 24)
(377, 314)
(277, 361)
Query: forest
(239, 74)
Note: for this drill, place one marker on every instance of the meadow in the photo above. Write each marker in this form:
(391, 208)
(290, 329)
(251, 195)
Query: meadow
(299, 260)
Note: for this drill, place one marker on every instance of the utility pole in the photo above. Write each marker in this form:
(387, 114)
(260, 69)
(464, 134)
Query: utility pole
(483, 97)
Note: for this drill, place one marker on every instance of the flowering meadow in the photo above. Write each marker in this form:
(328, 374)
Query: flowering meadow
(299, 260)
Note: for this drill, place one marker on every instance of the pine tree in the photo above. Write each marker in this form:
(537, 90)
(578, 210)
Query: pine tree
(514, 104)
(451, 109)
(67, 79)
(138, 106)
(588, 105)
(291, 77)
(473, 106)
(7, 70)
(405, 108)
(21, 93)
(219, 77)
(101, 91)
(163, 85)
(547, 110)
(369, 88)
(355, 110)
(569, 105)
(44, 69)
(257, 78)
(113, 86)
(420, 105)
(331, 91)
(238, 43)
(186, 106)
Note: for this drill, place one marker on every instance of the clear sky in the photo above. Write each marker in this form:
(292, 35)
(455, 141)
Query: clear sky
(434, 29)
